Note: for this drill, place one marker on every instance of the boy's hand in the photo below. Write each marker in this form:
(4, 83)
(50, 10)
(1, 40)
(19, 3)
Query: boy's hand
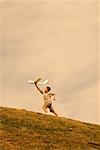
(37, 81)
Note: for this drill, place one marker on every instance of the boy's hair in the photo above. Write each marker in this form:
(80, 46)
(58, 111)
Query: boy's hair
(48, 88)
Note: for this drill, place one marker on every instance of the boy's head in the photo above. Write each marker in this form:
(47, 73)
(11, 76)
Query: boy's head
(47, 89)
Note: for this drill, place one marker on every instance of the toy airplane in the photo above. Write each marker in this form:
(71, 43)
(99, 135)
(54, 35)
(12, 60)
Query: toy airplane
(38, 81)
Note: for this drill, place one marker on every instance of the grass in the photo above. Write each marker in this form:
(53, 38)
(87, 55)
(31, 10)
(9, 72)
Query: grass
(24, 130)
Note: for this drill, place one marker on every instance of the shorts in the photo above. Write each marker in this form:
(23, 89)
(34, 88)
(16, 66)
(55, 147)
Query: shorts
(50, 107)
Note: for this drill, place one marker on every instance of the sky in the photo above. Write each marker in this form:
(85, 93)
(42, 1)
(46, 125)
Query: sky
(55, 40)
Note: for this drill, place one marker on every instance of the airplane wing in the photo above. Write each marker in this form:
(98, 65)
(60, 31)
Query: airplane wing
(32, 82)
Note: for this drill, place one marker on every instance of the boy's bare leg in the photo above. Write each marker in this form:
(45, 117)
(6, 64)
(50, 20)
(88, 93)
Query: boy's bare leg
(55, 113)
(44, 108)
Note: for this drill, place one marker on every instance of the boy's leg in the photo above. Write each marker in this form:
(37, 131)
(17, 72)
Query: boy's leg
(45, 108)
(52, 109)
(55, 113)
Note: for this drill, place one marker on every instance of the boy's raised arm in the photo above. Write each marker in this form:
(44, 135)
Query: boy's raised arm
(38, 88)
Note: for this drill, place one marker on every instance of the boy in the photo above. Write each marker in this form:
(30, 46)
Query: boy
(47, 98)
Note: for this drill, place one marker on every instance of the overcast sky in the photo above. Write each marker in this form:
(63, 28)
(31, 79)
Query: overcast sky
(57, 41)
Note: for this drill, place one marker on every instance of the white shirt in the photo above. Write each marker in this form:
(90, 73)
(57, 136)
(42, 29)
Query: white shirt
(48, 98)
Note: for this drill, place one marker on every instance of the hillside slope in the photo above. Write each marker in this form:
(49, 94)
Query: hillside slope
(24, 130)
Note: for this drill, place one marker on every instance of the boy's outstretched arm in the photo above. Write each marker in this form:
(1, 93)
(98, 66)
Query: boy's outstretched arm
(38, 88)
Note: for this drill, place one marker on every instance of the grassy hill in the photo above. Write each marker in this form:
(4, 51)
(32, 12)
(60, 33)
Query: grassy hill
(25, 130)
